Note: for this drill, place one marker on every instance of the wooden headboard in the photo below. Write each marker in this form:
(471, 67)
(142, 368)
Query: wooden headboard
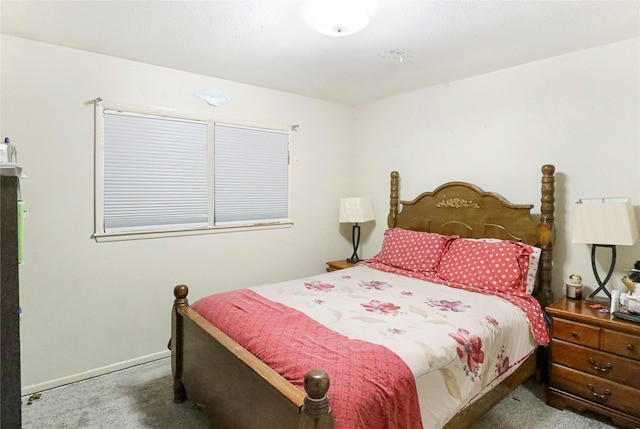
(463, 209)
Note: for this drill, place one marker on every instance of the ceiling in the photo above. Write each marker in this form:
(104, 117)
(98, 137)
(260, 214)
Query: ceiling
(268, 44)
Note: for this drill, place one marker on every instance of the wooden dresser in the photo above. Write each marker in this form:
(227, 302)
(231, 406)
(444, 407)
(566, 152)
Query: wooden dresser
(594, 363)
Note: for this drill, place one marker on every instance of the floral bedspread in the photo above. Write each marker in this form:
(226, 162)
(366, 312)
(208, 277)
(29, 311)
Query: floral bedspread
(454, 342)
(459, 340)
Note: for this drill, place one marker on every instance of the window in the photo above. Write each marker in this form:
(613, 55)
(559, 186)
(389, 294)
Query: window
(158, 173)
(251, 173)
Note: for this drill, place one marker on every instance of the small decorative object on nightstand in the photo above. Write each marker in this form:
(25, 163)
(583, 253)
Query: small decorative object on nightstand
(595, 362)
(339, 265)
(574, 286)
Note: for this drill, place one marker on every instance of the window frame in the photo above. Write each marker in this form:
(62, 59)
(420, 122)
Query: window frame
(100, 235)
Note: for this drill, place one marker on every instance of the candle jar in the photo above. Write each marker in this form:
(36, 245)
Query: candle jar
(574, 287)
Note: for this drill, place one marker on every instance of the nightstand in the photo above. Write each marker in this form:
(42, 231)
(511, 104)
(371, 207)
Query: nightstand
(339, 265)
(594, 362)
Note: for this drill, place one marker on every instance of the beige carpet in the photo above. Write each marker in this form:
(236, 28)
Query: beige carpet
(142, 397)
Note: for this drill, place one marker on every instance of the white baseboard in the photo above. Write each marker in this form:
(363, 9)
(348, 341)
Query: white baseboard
(28, 390)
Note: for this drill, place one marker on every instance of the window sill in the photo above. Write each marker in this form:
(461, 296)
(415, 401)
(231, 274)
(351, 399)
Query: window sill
(145, 235)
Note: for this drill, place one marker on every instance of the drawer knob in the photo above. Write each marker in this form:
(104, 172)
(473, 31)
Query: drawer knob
(600, 396)
(574, 334)
(606, 368)
(630, 347)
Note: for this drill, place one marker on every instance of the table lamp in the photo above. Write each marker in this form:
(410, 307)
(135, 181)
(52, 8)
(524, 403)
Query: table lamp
(356, 210)
(604, 222)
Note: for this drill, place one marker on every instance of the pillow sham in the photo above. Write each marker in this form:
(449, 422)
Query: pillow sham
(532, 266)
(493, 264)
(532, 269)
(412, 250)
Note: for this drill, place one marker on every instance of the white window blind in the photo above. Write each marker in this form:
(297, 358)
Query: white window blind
(251, 175)
(155, 172)
(160, 174)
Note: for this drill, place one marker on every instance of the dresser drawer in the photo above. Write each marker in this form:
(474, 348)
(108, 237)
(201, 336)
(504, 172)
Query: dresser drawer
(621, 344)
(594, 362)
(577, 333)
(595, 389)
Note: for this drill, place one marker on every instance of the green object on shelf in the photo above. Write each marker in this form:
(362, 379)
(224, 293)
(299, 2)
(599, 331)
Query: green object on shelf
(20, 228)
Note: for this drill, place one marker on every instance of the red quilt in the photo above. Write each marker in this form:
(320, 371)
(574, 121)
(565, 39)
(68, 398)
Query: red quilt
(371, 387)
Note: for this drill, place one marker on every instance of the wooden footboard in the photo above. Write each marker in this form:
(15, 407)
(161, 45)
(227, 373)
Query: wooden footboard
(235, 388)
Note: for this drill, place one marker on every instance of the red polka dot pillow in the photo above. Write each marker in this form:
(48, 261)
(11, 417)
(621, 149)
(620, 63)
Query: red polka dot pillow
(492, 264)
(532, 266)
(412, 250)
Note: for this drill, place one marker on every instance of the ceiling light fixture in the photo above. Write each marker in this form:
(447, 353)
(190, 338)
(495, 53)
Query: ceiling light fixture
(337, 18)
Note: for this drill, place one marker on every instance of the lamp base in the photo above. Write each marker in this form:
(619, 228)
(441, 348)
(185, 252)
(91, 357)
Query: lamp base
(355, 239)
(592, 298)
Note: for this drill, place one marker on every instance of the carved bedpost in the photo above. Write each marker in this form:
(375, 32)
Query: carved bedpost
(316, 413)
(546, 234)
(175, 344)
(393, 203)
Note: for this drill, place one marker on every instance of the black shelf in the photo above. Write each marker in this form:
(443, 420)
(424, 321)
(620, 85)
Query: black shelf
(10, 386)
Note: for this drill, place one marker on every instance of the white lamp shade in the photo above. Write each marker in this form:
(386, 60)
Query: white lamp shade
(604, 221)
(356, 210)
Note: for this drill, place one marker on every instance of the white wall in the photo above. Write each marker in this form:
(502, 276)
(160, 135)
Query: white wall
(89, 307)
(580, 112)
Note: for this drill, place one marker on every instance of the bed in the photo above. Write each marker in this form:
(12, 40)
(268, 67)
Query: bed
(451, 388)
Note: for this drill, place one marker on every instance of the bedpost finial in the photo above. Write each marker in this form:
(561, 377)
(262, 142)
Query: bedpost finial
(395, 174)
(180, 292)
(316, 383)
(316, 403)
(548, 169)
